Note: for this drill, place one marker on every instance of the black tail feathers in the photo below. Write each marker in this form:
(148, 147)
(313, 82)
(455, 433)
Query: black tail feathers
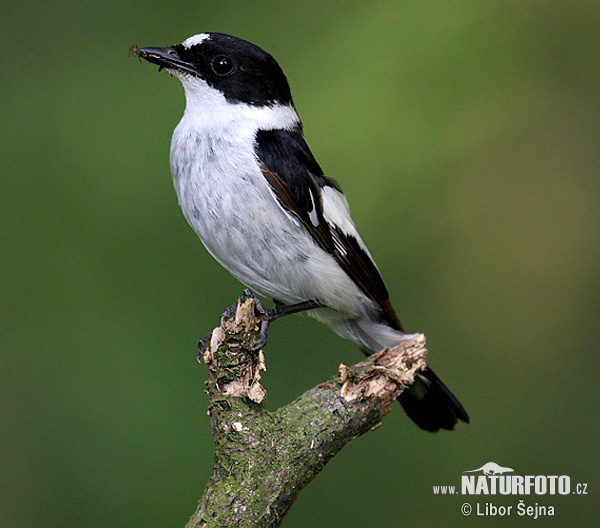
(431, 405)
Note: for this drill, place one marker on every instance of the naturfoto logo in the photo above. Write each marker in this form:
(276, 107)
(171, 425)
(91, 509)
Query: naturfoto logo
(496, 479)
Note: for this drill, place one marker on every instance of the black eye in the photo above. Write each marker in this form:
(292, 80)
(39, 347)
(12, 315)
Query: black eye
(222, 65)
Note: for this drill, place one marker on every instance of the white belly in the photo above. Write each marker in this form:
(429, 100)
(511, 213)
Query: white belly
(229, 204)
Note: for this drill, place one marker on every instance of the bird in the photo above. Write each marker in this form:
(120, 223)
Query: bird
(251, 189)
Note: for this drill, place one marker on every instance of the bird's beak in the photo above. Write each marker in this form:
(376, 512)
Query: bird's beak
(165, 58)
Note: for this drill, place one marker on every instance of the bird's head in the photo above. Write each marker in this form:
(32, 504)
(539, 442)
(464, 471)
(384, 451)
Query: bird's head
(214, 62)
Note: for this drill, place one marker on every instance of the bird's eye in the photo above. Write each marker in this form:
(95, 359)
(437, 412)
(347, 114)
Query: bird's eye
(222, 65)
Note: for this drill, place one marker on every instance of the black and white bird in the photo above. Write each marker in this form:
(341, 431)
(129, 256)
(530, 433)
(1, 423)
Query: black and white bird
(252, 191)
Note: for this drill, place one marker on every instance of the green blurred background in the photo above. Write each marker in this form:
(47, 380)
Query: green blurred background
(466, 136)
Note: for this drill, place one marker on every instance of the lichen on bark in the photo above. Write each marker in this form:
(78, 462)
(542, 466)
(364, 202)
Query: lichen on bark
(263, 459)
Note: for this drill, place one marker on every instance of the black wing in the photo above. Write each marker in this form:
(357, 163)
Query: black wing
(298, 182)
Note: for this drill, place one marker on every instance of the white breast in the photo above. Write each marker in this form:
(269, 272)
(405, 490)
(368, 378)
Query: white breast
(231, 207)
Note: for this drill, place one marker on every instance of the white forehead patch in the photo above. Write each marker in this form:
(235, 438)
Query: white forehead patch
(196, 39)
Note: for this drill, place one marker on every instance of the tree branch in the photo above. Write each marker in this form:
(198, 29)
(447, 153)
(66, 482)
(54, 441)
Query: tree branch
(263, 459)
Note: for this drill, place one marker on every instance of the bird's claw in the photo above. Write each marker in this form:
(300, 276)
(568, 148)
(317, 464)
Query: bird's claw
(265, 316)
(202, 342)
(227, 314)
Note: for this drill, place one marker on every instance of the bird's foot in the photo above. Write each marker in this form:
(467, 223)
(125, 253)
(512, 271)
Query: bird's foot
(205, 341)
(265, 316)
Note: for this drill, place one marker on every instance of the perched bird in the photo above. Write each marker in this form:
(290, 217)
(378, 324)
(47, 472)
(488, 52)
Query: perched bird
(252, 191)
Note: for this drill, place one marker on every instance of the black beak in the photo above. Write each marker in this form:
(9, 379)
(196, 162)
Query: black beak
(166, 58)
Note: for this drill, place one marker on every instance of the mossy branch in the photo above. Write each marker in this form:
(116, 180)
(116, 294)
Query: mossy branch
(263, 459)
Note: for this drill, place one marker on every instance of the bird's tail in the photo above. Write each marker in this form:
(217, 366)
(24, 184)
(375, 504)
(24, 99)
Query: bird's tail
(427, 402)
(431, 405)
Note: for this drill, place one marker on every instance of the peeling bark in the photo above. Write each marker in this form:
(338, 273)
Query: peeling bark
(263, 459)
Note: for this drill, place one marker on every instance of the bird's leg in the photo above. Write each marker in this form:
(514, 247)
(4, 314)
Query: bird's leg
(265, 316)
(281, 310)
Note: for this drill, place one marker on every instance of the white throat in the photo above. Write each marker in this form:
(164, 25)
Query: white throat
(208, 111)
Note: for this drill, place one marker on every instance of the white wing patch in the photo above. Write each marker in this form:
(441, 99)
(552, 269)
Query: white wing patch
(312, 215)
(337, 213)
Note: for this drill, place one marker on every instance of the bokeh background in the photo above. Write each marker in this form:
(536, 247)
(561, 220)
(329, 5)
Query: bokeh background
(466, 136)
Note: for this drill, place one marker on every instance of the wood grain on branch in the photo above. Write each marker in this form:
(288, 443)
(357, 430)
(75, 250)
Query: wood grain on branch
(263, 459)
